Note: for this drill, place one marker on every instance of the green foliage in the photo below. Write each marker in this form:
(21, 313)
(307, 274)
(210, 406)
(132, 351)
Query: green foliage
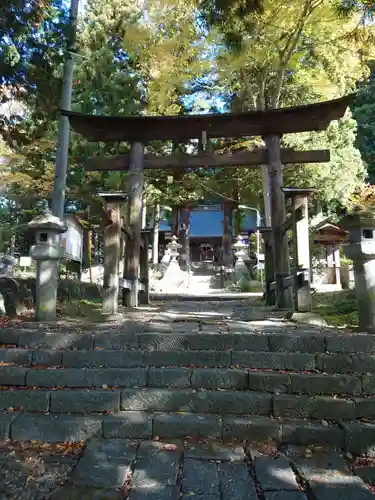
(333, 188)
(364, 113)
(338, 309)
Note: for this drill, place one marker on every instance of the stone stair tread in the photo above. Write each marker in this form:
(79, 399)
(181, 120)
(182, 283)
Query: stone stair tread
(241, 336)
(331, 363)
(354, 437)
(238, 402)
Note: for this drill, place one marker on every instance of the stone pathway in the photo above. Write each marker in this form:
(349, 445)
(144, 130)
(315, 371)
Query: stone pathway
(107, 467)
(119, 469)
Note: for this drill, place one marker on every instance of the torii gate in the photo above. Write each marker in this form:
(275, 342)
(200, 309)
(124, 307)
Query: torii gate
(270, 124)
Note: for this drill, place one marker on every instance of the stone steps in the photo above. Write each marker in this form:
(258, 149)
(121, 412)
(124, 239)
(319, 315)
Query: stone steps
(206, 383)
(356, 438)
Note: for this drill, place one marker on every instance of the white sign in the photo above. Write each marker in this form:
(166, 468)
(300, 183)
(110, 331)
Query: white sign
(72, 241)
(25, 262)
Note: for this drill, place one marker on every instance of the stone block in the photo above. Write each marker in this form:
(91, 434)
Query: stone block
(366, 473)
(348, 487)
(187, 358)
(9, 336)
(363, 363)
(274, 360)
(365, 408)
(159, 493)
(66, 377)
(329, 408)
(6, 420)
(111, 450)
(24, 400)
(219, 379)
(275, 473)
(186, 424)
(357, 343)
(13, 375)
(292, 406)
(284, 495)
(55, 340)
(214, 450)
(111, 339)
(54, 428)
(334, 363)
(156, 467)
(85, 401)
(368, 383)
(360, 438)
(200, 478)
(16, 356)
(315, 383)
(250, 427)
(269, 382)
(81, 492)
(303, 432)
(169, 377)
(101, 474)
(102, 359)
(239, 402)
(160, 400)
(118, 377)
(207, 342)
(306, 343)
(151, 448)
(236, 482)
(128, 424)
(47, 357)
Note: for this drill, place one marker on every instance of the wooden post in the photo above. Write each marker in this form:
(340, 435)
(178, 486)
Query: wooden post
(183, 236)
(269, 274)
(144, 296)
(301, 247)
(175, 217)
(280, 239)
(227, 236)
(155, 240)
(112, 250)
(136, 180)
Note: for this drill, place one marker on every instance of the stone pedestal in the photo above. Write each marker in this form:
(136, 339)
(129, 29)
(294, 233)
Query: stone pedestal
(361, 250)
(47, 252)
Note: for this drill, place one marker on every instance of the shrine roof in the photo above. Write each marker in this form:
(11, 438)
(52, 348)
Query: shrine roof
(148, 128)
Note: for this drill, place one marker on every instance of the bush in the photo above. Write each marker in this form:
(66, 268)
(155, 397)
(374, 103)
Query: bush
(337, 308)
(72, 290)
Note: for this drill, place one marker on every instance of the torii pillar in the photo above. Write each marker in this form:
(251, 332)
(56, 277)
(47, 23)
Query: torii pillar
(284, 298)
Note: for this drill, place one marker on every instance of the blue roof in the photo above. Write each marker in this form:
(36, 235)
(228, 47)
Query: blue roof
(207, 222)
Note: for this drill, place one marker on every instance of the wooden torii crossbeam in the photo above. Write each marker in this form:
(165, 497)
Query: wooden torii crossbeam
(269, 124)
(183, 161)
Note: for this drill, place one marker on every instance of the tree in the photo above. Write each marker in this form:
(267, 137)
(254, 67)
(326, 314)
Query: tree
(290, 54)
(364, 113)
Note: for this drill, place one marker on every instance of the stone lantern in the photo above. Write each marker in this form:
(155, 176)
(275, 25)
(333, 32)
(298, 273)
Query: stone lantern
(361, 250)
(47, 252)
(241, 254)
(173, 247)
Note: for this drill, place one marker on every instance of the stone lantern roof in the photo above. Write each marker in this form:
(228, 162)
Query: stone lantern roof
(48, 222)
